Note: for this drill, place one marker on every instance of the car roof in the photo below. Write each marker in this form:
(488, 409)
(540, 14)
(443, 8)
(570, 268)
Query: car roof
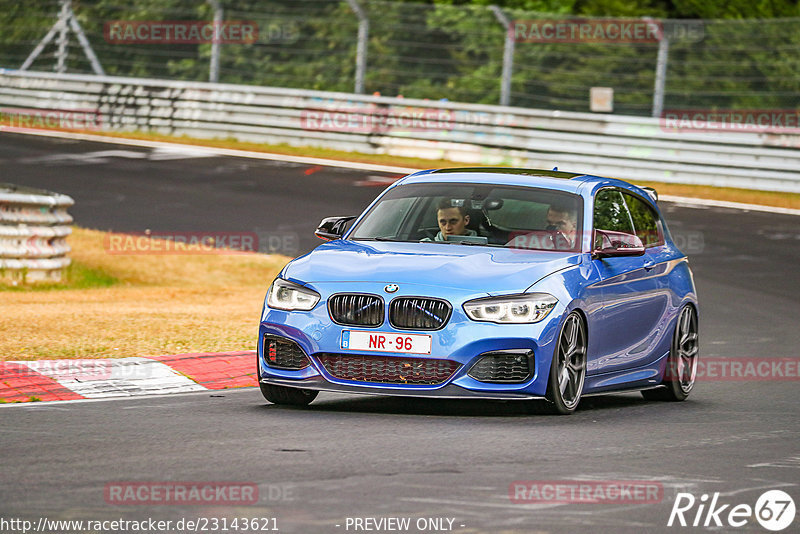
(550, 179)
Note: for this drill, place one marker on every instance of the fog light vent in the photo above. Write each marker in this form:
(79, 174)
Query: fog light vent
(508, 366)
(282, 353)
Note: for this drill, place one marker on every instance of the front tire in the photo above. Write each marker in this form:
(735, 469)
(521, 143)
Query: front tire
(681, 370)
(288, 396)
(568, 368)
(282, 394)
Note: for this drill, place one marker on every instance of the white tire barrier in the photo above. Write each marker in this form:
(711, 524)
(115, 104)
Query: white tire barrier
(34, 225)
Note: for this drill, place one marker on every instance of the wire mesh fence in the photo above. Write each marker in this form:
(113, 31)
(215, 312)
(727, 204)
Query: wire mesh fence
(461, 53)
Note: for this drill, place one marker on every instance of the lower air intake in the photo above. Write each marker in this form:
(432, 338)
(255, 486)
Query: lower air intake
(505, 367)
(281, 353)
(388, 369)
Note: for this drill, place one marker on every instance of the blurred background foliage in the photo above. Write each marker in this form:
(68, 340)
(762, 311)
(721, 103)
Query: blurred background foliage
(747, 54)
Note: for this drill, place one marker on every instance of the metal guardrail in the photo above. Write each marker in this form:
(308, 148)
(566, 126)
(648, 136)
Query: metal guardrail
(34, 225)
(634, 148)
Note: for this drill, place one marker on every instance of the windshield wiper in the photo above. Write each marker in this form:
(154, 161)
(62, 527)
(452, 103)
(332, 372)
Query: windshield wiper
(380, 238)
(471, 243)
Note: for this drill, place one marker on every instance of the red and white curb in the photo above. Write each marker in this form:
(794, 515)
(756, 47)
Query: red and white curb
(51, 380)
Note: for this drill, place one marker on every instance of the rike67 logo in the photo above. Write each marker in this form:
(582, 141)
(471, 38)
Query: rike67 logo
(774, 510)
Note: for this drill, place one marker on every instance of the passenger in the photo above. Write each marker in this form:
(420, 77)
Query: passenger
(563, 222)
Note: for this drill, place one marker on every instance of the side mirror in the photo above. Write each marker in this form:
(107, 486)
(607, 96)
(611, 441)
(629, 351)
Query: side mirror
(332, 228)
(608, 244)
(492, 204)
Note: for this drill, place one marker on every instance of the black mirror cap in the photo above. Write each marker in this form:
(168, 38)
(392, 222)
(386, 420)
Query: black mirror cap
(331, 228)
(608, 244)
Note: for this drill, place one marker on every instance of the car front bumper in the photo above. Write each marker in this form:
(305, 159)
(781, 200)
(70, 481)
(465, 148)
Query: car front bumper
(462, 341)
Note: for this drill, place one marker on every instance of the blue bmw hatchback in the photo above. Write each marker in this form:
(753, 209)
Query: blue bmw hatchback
(492, 283)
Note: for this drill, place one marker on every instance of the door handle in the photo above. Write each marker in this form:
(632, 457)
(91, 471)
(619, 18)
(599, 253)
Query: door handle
(649, 264)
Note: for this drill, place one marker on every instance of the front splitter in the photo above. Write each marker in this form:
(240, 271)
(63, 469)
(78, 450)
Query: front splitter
(449, 391)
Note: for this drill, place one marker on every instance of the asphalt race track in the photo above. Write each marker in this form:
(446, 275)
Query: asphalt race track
(363, 457)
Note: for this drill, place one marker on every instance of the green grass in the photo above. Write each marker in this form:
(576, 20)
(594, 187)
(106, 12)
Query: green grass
(76, 276)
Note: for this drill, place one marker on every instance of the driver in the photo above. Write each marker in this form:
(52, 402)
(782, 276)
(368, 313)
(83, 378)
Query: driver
(452, 220)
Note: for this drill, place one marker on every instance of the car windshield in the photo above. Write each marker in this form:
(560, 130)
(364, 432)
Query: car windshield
(475, 214)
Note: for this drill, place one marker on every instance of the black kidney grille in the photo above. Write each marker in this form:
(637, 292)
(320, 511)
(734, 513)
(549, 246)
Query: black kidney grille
(283, 353)
(356, 310)
(419, 313)
(506, 367)
(388, 369)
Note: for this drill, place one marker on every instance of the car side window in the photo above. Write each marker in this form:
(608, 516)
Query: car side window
(645, 221)
(611, 213)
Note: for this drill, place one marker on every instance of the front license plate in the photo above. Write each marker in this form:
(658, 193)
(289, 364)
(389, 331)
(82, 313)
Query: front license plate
(386, 342)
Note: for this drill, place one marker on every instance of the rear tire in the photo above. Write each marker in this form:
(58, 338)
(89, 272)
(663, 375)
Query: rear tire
(681, 370)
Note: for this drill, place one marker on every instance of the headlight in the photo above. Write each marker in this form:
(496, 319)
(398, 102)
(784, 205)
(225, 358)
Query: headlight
(526, 308)
(288, 296)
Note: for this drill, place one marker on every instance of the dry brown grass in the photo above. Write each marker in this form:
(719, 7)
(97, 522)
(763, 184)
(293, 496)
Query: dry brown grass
(163, 304)
(748, 196)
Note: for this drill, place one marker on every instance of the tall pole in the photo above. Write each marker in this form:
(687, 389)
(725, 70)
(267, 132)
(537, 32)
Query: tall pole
(508, 56)
(361, 50)
(661, 71)
(213, 69)
(62, 41)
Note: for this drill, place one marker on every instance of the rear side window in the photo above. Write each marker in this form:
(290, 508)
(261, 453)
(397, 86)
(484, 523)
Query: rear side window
(645, 221)
(611, 213)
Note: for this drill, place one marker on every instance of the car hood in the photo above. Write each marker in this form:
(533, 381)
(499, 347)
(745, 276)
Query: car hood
(476, 268)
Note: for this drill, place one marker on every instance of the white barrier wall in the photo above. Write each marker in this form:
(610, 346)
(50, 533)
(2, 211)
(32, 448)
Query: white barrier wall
(634, 148)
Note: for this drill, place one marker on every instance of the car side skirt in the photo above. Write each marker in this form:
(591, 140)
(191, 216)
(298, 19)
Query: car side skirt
(645, 377)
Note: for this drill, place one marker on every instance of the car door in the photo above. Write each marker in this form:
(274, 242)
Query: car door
(633, 302)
